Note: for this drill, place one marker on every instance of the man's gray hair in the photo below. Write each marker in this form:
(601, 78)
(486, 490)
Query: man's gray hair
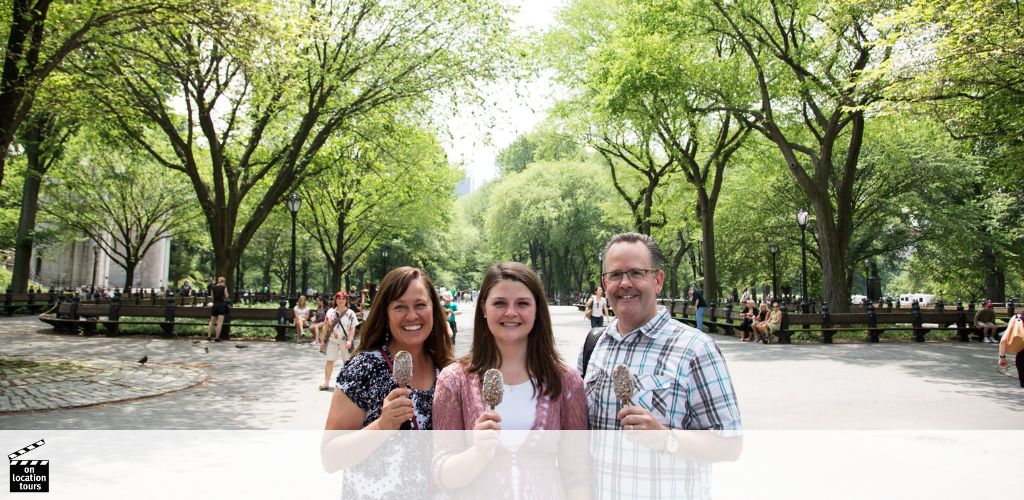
(657, 259)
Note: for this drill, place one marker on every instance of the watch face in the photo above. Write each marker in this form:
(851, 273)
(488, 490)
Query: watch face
(672, 444)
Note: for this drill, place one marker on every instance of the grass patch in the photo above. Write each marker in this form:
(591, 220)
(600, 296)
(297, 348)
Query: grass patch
(246, 332)
(10, 368)
(5, 281)
(936, 335)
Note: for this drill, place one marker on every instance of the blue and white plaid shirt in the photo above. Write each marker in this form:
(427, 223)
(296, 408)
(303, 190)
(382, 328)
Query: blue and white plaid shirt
(680, 376)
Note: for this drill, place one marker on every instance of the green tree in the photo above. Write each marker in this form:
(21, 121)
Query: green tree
(393, 181)
(913, 190)
(551, 213)
(964, 68)
(516, 156)
(244, 116)
(42, 137)
(542, 144)
(811, 61)
(662, 88)
(41, 34)
(119, 201)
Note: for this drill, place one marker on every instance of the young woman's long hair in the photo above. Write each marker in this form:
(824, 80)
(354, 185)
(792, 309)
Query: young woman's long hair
(543, 363)
(374, 331)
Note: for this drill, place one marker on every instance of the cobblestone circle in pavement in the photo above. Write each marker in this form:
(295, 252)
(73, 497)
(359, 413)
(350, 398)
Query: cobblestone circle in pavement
(45, 383)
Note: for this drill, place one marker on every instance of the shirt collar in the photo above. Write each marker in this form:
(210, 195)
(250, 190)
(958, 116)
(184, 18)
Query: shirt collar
(652, 328)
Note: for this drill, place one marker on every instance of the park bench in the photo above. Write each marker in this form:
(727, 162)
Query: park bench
(75, 316)
(916, 320)
(32, 302)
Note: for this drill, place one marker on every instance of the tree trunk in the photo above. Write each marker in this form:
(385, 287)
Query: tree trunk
(644, 225)
(707, 225)
(995, 278)
(129, 274)
(674, 265)
(337, 261)
(22, 56)
(836, 291)
(266, 272)
(226, 269)
(29, 208)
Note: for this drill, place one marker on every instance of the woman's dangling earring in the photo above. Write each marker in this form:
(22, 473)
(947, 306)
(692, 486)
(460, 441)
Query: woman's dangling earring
(387, 335)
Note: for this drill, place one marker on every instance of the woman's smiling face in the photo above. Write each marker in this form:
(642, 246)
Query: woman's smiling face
(410, 317)
(510, 309)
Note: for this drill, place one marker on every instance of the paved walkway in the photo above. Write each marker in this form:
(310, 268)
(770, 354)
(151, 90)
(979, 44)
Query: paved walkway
(273, 386)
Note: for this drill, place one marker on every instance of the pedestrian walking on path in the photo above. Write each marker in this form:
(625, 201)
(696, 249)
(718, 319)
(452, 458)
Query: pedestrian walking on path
(339, 333)
(1013, 342)
(220, 308)
(597, 307)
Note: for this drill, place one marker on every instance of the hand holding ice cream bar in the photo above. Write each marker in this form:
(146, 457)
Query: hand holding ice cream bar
(402, 370)
(623, 381)
(493, 387)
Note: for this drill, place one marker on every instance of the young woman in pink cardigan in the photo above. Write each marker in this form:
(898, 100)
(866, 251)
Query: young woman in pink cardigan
(511, 332)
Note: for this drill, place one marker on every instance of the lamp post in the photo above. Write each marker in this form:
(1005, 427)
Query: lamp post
(294, 202)
(867, 279)
(774, 249)
(238, 285)
(384, 253)
(801, 218)
(95, 264)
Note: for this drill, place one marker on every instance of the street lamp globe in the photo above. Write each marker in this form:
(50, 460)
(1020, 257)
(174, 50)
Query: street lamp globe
(773, 248)
(801, 217)
(294, 202)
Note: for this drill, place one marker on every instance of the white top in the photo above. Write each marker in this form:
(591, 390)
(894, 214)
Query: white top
(301, 312)
(597, 306)
(518, 410)
(342, 326)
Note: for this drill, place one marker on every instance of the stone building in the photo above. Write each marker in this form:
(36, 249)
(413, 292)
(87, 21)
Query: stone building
(83, 264)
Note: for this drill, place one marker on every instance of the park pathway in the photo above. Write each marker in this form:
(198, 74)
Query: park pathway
(273, 386)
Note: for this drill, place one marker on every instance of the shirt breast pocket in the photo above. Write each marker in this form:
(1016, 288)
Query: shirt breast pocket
(654, 394)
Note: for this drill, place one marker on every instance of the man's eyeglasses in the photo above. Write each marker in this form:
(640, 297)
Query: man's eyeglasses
(633, 274)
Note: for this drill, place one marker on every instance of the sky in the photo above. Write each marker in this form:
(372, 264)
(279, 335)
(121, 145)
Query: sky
(476, 133)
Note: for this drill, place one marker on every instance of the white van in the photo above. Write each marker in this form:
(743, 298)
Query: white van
(858, 299)
(923, 299)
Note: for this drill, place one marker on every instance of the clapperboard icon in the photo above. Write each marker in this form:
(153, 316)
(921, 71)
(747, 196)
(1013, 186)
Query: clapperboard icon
(29, 476)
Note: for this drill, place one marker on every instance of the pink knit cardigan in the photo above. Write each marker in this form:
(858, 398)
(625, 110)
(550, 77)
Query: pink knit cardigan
(458, 402)
(546, 466)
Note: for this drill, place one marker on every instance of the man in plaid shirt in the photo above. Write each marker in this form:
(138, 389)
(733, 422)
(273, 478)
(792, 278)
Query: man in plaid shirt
(682, 388)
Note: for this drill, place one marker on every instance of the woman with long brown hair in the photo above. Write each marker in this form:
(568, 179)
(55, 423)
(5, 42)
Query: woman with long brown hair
(511, 333)
(404, 317)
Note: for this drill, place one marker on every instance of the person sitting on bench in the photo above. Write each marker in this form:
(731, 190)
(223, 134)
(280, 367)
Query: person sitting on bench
(985, 322)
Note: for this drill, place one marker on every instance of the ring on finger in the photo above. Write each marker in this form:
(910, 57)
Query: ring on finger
(629, 427)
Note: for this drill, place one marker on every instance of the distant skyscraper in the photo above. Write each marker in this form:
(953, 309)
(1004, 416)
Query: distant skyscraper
(465, 186)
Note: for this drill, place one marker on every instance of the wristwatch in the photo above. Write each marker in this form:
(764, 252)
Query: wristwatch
(1002, 356)
(672, 444)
